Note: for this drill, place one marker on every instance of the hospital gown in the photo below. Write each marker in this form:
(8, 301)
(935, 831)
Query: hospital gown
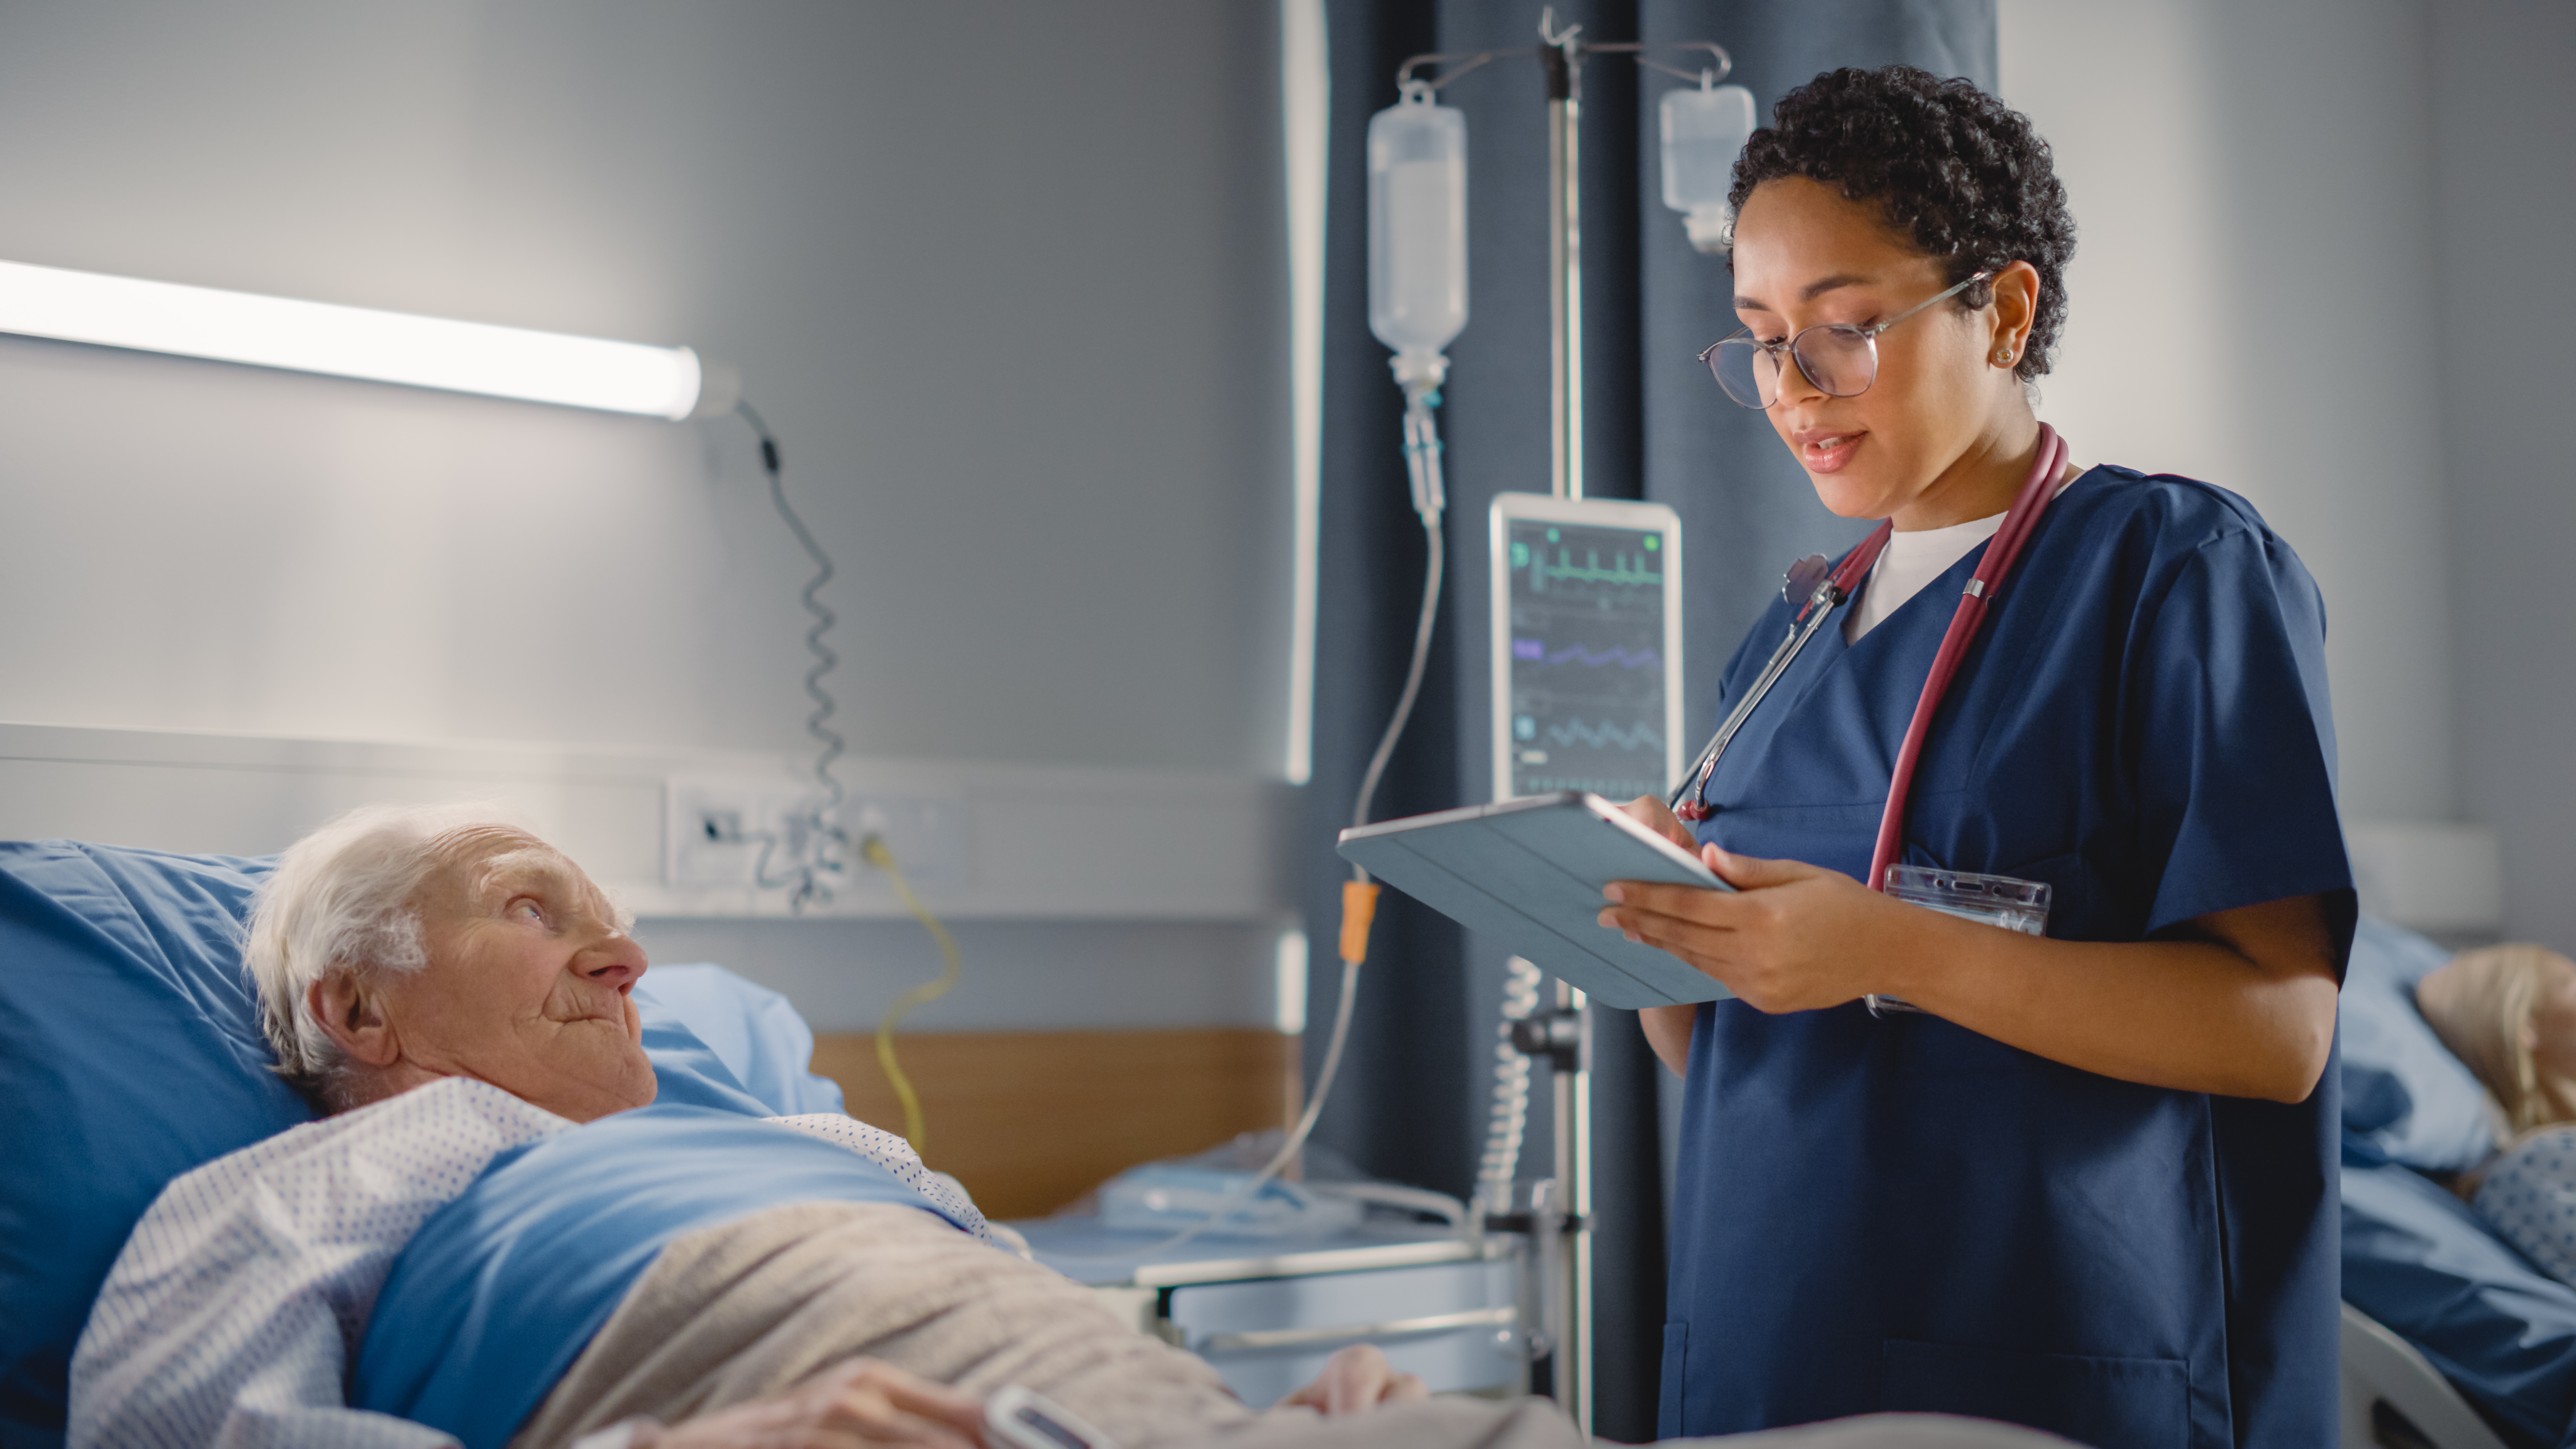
(232, 1315)
(2529, 1193)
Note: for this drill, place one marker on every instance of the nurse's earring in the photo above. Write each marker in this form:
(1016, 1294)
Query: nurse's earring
(2003, 356)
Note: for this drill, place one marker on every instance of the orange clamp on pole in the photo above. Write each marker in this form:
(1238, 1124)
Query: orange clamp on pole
(1359, 909)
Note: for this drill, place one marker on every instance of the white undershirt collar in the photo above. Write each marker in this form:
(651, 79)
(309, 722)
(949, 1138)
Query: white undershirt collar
(1912, 560)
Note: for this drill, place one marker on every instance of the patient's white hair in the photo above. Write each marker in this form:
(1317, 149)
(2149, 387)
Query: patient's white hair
(346, 898)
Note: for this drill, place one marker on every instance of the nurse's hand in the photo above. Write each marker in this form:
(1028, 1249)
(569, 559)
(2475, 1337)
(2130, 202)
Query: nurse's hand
(1652, 813)
(1793, 937)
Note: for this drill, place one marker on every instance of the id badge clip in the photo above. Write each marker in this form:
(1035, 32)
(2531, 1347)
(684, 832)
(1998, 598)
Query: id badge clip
(1995, 900)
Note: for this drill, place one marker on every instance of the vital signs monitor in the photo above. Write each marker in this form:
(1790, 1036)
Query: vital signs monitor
(1587, 646)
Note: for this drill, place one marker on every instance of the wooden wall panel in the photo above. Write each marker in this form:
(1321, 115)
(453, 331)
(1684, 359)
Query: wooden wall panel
(1031, 1120)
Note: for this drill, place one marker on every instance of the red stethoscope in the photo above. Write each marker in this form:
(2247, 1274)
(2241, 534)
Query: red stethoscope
(1690, 799)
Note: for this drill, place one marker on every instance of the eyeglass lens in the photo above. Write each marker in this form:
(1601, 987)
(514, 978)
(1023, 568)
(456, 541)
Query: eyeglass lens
(1840, 360)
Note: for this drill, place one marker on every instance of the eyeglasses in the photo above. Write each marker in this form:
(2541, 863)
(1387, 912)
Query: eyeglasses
(1838, 357)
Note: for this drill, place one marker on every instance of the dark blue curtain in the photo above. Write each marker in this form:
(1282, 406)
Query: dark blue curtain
(1411, 1103)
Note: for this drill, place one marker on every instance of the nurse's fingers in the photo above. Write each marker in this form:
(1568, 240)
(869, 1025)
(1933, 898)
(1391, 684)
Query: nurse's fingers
(1687, 903)
(1653, 814)
(1753, 872)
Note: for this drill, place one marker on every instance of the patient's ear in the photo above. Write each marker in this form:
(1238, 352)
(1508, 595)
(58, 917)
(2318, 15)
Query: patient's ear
(354, 1018)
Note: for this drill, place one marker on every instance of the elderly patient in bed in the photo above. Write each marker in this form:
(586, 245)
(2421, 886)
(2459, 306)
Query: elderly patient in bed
(484, 1240)
(450, 990)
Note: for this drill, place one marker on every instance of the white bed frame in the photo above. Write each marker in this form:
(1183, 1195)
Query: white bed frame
(2381, 1368)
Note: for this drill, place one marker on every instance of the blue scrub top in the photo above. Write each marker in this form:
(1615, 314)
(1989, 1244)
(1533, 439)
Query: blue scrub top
(1899, 1214)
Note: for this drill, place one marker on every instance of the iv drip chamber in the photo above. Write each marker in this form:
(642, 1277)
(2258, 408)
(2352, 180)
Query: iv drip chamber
(1417, 153)
(1704, 131)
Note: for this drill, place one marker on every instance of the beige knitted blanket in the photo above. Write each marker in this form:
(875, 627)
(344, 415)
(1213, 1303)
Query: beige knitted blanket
(740, 1312)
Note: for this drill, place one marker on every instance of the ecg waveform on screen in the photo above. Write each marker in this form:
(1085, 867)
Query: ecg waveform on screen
(1587, 659)
(1590, 572)
(1605, 736)
(1536, 649)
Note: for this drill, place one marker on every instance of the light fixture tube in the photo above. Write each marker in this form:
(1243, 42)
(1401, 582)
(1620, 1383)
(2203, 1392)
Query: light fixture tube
(476, 357)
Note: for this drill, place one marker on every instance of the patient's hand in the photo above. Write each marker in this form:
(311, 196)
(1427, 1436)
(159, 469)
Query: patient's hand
(1354, 1381)
(856, 1401)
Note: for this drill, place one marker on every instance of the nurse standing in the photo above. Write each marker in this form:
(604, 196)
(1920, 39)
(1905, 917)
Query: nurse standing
(2089, 1186)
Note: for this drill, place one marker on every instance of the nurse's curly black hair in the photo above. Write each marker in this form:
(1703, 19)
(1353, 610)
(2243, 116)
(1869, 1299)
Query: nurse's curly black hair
(1960, 171)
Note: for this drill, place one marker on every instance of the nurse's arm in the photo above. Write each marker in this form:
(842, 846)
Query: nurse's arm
(2239, 1002)
(1668, 1031)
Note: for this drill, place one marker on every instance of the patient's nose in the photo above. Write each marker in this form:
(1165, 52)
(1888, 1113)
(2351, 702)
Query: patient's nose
(616, 959)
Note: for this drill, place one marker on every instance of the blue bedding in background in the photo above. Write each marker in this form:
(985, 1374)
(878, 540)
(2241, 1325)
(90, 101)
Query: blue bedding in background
(2420, 1261)
(502, 1288)
(2405, 1097)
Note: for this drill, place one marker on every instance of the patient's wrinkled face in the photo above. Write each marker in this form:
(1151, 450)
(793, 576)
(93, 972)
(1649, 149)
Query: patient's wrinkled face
(527, 983)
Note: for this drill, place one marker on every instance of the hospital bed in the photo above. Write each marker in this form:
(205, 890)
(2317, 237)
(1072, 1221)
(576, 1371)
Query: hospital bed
(129, 1053)
(1267, 1315)
(2451, 1338)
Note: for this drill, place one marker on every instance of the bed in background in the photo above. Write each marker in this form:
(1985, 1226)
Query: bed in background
(2418, 1261)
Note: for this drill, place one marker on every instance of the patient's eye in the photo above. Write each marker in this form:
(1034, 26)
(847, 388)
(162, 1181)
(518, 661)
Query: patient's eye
(525, 908)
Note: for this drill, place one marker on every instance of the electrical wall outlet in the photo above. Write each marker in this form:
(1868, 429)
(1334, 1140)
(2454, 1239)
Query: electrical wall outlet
(926, 835)
(714, 833)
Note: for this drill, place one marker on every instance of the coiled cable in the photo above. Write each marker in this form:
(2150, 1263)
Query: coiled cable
(1508, 1122)
(827, 845)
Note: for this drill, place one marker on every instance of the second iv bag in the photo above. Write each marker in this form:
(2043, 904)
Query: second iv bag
(1417, 153)
(1704, 131)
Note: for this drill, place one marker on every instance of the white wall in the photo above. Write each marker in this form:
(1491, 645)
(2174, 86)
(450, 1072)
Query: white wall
(2504, 209)
(1005, 277)
(2253, 291)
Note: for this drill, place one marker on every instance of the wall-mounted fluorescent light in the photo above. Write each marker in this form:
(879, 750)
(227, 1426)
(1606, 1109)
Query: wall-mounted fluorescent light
(512, 362)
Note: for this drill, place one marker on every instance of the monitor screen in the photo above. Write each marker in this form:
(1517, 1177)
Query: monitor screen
(1587, 654)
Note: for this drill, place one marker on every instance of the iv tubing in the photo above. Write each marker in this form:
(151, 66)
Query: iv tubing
(1287, 1152)
(1422, 464)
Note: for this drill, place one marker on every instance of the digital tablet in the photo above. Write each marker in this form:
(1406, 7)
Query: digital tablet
(1529, 873)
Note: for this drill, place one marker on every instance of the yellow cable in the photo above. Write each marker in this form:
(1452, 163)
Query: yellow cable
(873, 849)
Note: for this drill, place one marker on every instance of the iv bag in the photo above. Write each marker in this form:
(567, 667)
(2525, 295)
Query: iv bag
(1417, 231)
(1704, 131)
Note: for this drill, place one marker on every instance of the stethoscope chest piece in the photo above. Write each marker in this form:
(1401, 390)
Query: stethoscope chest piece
(1800, 582)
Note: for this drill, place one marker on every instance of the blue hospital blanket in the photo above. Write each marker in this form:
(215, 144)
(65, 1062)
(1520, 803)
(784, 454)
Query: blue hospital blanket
(502, 1289)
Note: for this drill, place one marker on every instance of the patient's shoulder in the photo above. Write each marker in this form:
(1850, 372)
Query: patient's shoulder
(428, 1142)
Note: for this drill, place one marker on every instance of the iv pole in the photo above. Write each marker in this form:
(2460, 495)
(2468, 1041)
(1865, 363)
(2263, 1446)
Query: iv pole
(1564, 1034)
